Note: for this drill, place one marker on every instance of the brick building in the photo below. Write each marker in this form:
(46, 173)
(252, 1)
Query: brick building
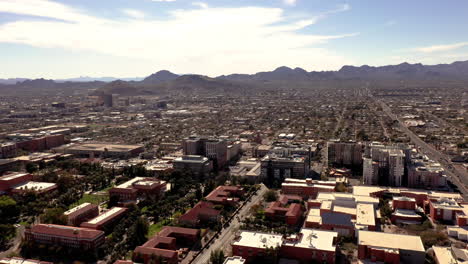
(390, 248)
(17, 182)
(138, 187)
(306, 188)
(308, 245)
(201, 213)
(286, 209)
(81, 213)
(105, 219)
(226, 195)
(66, 236)
(163, 248)
(404, 211)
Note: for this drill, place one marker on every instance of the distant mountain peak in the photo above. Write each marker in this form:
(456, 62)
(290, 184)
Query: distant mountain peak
(159, 77)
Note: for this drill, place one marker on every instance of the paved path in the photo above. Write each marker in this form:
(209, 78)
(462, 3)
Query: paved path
(227, 235)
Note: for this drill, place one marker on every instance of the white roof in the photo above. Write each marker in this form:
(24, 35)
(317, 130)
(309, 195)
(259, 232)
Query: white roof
(108, 214)
(365, 214)
(315, 239)
(258, 240)
(234, 260)
(12, 176)
(390, 241)
(35, 186)
(74, 209)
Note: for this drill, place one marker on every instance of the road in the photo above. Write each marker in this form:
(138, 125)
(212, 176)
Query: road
(16, 242)
(227, 235)
(456, 175)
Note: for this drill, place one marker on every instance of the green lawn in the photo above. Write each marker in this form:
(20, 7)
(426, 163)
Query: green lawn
(155, 228)
(91, 198)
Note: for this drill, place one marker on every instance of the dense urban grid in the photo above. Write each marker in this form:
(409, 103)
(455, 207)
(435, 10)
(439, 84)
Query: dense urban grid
(339, 172)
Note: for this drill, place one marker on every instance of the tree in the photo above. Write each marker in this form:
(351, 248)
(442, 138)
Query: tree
(341, 187)
(54, 216)
(270, 196)
(217, 256)
(9, 210)
(32, 167)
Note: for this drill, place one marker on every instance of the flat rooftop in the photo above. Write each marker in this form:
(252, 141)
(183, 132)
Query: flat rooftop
(258, 240)
(104, 216)
(35, 186)
(103, 147)
(12, 176)
(387, 240)
(234, 260)
(367, 190)
(74, 209)
(365, 214)
(140, 180)
(315, 239)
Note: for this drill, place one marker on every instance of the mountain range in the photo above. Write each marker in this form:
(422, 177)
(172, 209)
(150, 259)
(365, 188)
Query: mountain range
(165, 81)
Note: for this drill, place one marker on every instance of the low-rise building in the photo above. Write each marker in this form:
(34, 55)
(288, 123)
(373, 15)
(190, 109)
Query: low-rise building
(138, 187)
(449, 255)
(66, 236)
(311, 244)
(16, 260)
(164, 246)
(202, 213)
(306, 188)
(105, 219)
(308, 245)
(225, 195)
(8, 165)
(196, 164)
(286, 209)
(390, 248)
(234, 260)
(17, 183)
(81, 213)
(102, 150)
(250, 244)
(342, 212)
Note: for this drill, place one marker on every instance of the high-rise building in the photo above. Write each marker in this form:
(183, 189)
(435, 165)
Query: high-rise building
(214, 149)
(345, 153)
(384, 165)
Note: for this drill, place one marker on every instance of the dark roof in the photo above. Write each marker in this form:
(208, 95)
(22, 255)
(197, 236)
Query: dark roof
(336, 219)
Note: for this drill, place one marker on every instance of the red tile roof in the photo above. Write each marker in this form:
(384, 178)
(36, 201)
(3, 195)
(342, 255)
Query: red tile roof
(201, 208)
(165, 253)
(169, 231)
(221, 193)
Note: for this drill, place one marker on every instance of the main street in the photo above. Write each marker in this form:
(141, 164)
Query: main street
(227, 234)
(458, 177)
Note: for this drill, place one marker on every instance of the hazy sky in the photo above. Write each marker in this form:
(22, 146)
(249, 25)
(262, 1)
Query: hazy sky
(128, 38)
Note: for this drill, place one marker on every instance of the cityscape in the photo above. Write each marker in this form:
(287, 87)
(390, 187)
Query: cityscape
(354, 164)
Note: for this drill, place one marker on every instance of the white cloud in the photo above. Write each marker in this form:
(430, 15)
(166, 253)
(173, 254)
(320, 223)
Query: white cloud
(290, 2)
(438, 48)
(163, 0)
(200, 4)
(209, 40)
(137, 14)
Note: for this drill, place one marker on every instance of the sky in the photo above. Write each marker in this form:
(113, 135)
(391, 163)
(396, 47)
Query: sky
(134, 38)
